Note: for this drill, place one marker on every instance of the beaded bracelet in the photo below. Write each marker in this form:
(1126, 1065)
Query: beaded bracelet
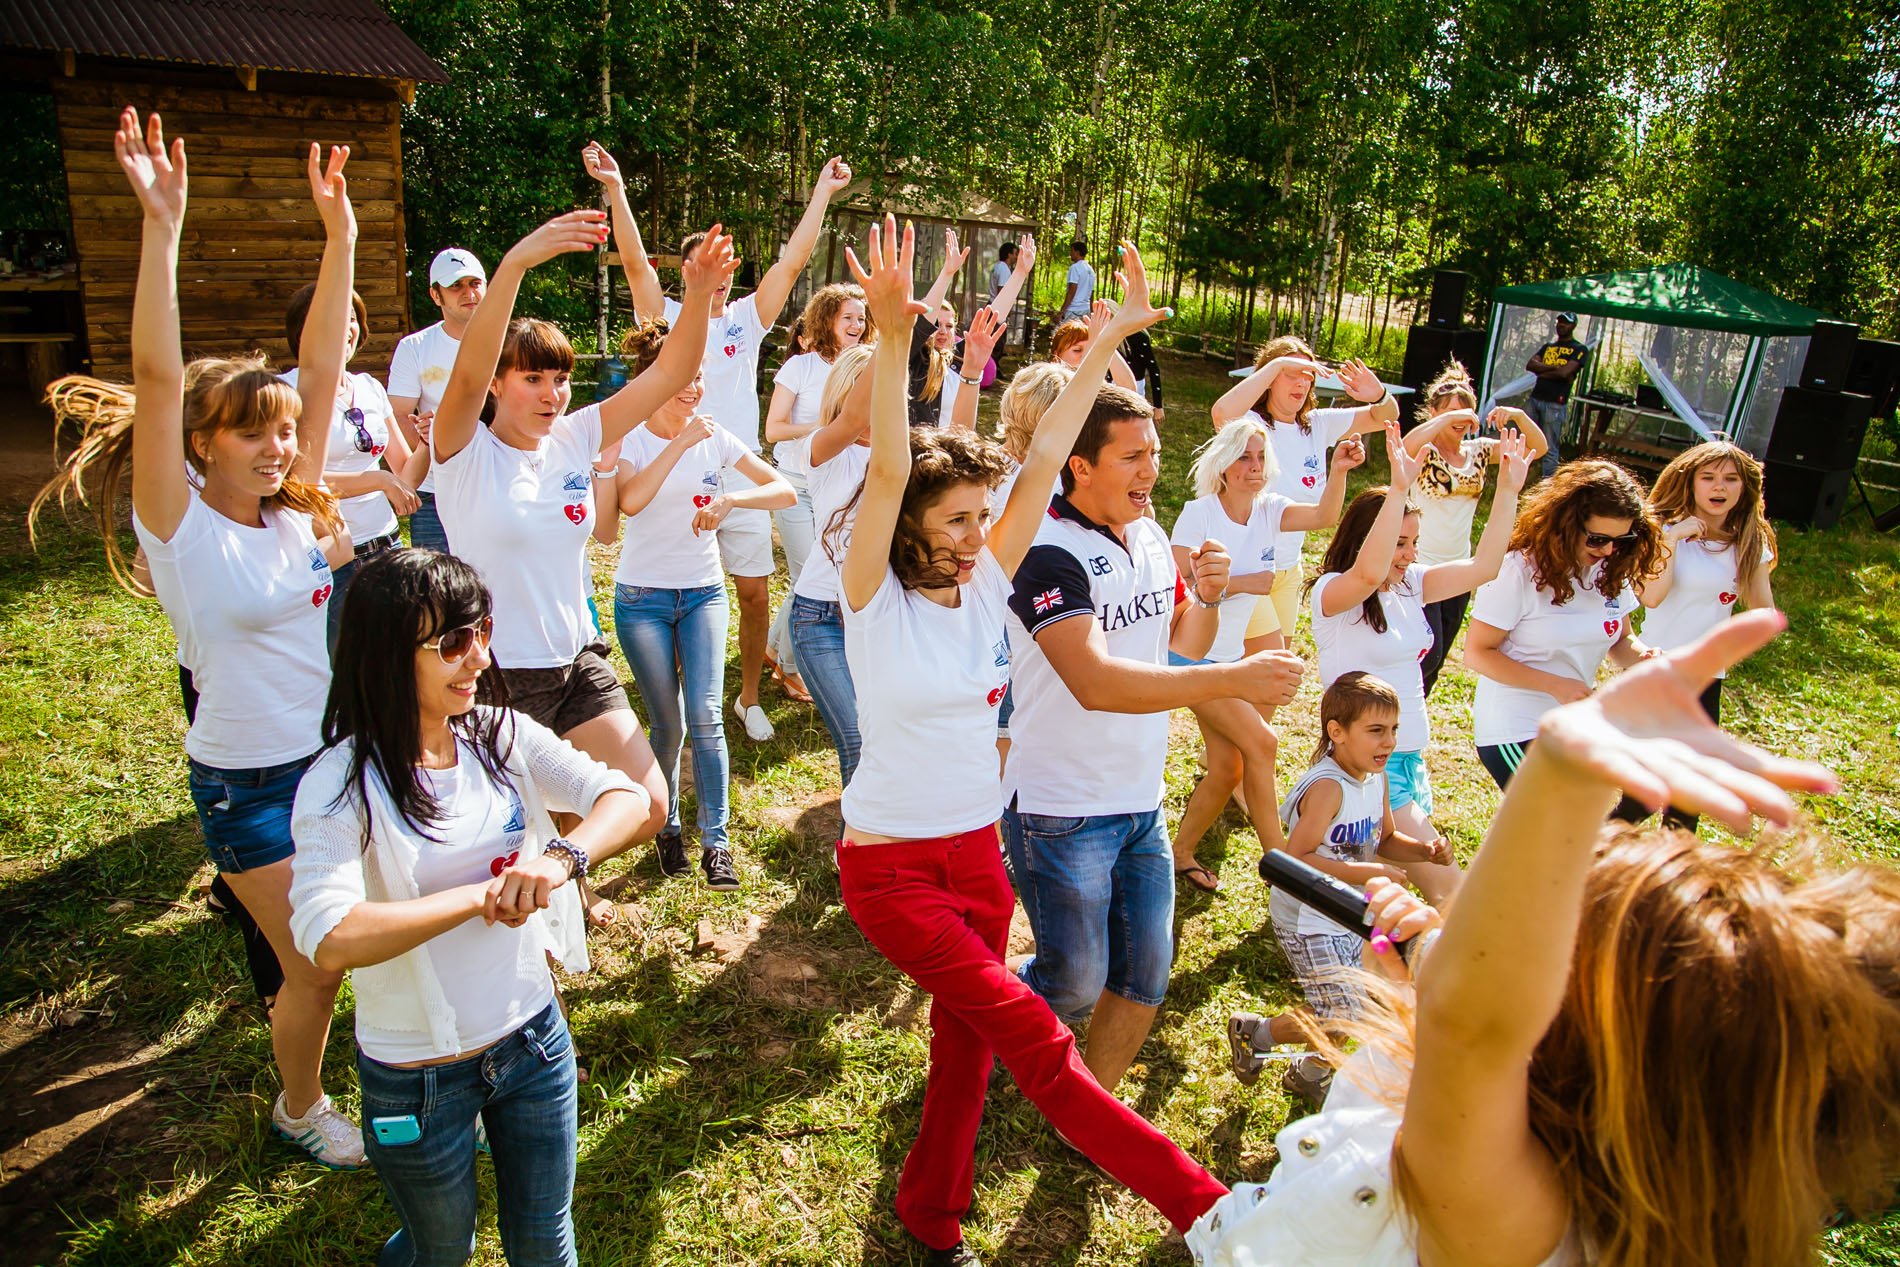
(576, 856)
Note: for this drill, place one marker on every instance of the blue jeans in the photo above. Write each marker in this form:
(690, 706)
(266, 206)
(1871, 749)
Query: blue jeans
(795, 532)
(818, 633)
(425, 526)
(1549, 415)
(245, 814)
(525, 1091)
(676, 642)
(1099, 893)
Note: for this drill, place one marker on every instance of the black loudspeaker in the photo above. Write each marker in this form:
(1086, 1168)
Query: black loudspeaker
(1427, 348)
(1830, 355)
(1447, 308)
(1876, 373)
(1803, 496)
(1819, 429)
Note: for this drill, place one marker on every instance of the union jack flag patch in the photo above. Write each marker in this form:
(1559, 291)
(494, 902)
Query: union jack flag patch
(1046, 600)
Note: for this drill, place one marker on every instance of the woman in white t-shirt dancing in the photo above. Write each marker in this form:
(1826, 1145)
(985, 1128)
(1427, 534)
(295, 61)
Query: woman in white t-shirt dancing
(1560, 603)
(225, 462)
(670, 591)
(428, 864)
(925, 583)
(517, 496)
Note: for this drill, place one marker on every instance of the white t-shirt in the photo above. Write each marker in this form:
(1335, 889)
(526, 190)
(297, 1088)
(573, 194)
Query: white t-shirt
(420, 367)
(833, 485)
(1347, 643)
(660, 549)
(1446, 495)
(368, 515)
(1570, 640)
(522, 518)
(731, 366)
(1067, 760)
(804, 376)
(495, 977)
(999, 277)
(947, 395)
(929, 679)
(1301, 456)
(247, 606)
(1251, 548)
(1082, 277)
(1702, 595)
(1353, 836)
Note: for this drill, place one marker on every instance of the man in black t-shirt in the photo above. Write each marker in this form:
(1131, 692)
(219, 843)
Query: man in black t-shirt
(1555, 364)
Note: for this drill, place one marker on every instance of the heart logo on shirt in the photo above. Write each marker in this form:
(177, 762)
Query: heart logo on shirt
(1423, 652)
(731, 350)
(996, 696)
(701, 500)
(1309, 480)
(376, 450)
(1611, 627)
(500, 865)
(576, 511)
(1725, 599)
(318, 595)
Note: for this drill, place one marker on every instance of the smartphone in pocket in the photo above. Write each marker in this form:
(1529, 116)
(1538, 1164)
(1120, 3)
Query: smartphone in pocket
(392, 1132)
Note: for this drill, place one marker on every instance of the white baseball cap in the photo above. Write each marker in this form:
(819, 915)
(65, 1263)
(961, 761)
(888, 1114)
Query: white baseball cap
(452, 265)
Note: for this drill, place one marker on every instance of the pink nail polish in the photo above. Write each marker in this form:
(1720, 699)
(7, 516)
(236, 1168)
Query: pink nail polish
(1381, 944)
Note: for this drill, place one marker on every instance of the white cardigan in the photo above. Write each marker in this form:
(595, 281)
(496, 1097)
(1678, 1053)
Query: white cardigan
(332, 871)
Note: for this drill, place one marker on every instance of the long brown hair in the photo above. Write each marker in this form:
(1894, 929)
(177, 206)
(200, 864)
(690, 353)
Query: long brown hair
(1273, 349)
(1550, 528)
(220, 394)
(1343, 550)
(820, 318)
(1752, 537)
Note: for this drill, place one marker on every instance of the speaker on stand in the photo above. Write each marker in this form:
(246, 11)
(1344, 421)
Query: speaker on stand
(1440, 338)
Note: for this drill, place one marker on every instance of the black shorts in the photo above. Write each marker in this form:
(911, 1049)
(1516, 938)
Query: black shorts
(570, 696)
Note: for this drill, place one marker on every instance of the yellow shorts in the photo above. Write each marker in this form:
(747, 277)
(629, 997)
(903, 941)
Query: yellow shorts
(1277, 611)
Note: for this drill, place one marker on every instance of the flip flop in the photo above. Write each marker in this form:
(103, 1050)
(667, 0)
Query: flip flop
(1200, 877)
(792, 685)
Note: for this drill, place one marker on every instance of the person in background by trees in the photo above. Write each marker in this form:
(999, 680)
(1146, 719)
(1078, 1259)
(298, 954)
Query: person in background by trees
(419, 370)
(1000, 271)
(735, 331)
(1556, 365)
(1080, 296)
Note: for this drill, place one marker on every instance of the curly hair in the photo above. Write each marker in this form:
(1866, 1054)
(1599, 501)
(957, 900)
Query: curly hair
(1289, 345)
(940, 460)
(1746, 523)
(642, 344)
(1550, 528)
(820, 318)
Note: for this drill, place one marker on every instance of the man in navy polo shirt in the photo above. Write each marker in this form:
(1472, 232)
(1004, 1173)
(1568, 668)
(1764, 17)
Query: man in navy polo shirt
(1097, 601)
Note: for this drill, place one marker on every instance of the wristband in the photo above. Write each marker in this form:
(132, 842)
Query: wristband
(561, 847)
(605, 475)
(967, 380)
(1194, 596)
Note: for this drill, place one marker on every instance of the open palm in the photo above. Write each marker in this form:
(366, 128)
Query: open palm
(157, 176)
(1514, 460)
(887, 279)
(1137, 311)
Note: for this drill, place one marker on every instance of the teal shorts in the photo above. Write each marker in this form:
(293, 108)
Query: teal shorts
(1407, 781)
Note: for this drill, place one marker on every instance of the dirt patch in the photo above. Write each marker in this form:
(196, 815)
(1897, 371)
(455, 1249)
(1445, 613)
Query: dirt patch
(786, 975)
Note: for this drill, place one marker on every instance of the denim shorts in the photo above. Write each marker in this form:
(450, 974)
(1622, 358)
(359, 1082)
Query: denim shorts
(1407, 781)
(1099, 892)
(1178, 661)
(245, 814)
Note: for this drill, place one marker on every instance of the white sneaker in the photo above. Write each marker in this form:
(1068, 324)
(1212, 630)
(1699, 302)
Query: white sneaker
(758, 727)
(324, 1133)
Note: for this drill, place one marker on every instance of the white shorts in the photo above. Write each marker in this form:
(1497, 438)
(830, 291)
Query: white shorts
(745, 542)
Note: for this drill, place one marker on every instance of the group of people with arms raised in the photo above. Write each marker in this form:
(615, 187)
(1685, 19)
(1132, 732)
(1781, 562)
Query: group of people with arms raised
(1579, 1047)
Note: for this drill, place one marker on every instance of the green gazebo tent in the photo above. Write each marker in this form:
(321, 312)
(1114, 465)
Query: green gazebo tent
(1719, 351)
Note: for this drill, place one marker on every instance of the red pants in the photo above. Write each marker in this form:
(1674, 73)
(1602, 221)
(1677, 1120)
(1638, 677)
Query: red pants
(939, 909)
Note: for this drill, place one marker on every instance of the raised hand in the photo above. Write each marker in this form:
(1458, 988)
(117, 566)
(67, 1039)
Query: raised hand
(600, 164)
(698, 428)
(1350, 453)
(1514, 460)
(573, 231)
(1025, 253)
(1137, 312)
(1100, 314)
(980, 340)
(156, 174)
(1360, 382)
(835, 175)
(887, 282)
(331, 192)
(712, 262)
(1405, 467)
(1645, 732)
(953, 258)
(1290, 365)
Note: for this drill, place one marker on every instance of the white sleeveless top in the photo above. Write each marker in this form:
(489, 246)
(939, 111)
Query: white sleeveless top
(1330, 1200)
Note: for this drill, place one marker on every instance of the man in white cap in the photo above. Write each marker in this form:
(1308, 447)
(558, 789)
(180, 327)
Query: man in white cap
(419, 370)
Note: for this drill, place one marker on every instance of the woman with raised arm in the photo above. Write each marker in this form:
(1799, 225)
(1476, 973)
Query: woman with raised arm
(1369, 614)
(240, 539)
(1071, 341)
(429, 866)
(1279, 395)
(1449, 485)
(670, 591)
(937, 387)
(924, 585)
(517, 496)
(1625, 1049)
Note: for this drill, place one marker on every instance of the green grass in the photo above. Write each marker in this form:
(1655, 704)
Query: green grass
(744, 1111)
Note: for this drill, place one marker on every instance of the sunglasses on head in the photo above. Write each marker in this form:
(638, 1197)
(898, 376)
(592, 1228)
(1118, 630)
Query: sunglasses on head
(1597, 540)
(364, 442)
(454, 645)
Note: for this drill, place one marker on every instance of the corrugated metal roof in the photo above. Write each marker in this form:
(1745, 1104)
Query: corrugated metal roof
(331, 37)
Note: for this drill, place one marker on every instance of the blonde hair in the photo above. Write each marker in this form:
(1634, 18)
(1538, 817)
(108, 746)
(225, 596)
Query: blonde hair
(1454, 381)
(1228, 446)
(820, 318)
(938, 358)
(1288, 345)
(1030, 393)
(1673, 499)
(220, 394)
(845, 372)
(1066, 336)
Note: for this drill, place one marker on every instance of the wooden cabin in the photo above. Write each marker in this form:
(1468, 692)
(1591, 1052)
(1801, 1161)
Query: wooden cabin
(249, 84)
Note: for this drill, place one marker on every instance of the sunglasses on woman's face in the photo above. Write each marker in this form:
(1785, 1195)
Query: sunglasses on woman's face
(1597, 540)
(454, 645)
(365, 443)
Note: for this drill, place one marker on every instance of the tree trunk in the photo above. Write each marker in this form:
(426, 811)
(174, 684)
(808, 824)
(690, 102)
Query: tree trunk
(603, 277)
